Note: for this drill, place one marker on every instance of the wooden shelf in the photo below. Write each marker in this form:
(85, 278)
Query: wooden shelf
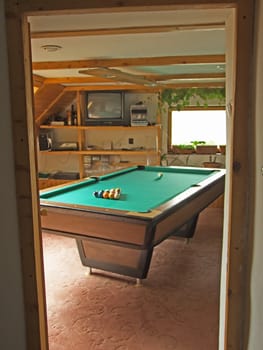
(147, 138)
(144, 156)
(103, 152)
(103, 127)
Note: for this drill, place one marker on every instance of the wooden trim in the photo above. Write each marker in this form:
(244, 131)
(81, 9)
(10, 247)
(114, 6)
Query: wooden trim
(108, 6)
(126, 30)
(143, 88)
(187, 108)
(132, 61)
(212, 84)
(158, 78)
(241, 181)
(136, 87)
(75, 80)
(198, 108)
(21, 92)
(169, 131)
(81, 138)
(186, 76)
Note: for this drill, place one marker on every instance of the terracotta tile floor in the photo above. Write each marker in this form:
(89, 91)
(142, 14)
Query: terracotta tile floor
(176, 308)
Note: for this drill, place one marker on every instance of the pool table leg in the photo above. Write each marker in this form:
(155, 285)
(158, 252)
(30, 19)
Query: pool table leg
(88, 272)
(122, 259)
(187, 230)
(138, 282)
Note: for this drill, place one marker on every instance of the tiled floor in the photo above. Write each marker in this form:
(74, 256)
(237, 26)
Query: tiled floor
(176, 308)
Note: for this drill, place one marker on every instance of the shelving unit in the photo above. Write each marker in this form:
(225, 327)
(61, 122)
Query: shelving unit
(133, 145)
(101, 149)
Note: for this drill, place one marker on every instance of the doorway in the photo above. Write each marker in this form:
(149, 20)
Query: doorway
(19, 100)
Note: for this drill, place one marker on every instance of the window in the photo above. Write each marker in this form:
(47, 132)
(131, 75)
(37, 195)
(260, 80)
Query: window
(198, 125)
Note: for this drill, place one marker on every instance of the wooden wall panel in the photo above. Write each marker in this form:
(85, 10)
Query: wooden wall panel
(51, 100)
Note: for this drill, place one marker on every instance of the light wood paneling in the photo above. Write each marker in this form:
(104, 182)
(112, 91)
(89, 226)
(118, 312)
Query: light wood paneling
(133, 61)
(51, 100)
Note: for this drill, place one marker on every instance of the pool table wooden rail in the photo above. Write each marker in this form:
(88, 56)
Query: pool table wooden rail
(188, 205)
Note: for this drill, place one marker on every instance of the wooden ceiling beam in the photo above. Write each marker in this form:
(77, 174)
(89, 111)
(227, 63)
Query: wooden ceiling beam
(108, 6)
(127, 30)
(126, 62)
(194, 85)
(76, 80)
(185, 76)
(144, 88)
(160, 77)
(111, 87)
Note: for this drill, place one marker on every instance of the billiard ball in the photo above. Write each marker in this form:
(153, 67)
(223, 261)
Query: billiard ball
(95, 194)
(100, 194)
(111, 195)
(106, 194)
(117, 195)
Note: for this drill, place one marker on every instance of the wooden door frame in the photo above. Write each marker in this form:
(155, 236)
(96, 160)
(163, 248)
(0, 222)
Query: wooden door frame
(25, 154)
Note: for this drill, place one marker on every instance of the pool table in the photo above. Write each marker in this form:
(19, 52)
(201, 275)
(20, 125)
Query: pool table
(119, 235)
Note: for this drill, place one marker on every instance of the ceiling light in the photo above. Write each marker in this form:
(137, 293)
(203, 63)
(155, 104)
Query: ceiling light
(51, 48)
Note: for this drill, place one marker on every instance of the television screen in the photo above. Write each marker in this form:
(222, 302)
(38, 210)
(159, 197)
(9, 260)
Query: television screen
(105, 108)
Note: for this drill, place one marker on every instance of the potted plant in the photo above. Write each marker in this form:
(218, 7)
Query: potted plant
(206, 149)
(183, 149)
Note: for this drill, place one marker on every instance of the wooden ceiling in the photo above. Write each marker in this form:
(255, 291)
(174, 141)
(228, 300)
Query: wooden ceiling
(129, 51)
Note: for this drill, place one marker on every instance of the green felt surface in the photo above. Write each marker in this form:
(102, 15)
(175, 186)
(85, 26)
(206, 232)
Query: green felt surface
(141, 190)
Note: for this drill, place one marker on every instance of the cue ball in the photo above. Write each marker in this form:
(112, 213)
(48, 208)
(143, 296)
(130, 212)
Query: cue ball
(117, 195)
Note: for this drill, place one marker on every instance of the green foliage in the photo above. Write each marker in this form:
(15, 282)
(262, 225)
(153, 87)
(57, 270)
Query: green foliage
(180, 98)
(195, 143)
(183, 146)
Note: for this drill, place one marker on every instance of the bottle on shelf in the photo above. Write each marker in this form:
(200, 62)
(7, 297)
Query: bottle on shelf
(74, 120)
(68, 117)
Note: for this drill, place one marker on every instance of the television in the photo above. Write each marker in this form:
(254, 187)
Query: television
(105, 108)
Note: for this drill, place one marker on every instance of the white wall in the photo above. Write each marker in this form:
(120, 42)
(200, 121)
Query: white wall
(195, 160)
(12, 330)
(255, 303)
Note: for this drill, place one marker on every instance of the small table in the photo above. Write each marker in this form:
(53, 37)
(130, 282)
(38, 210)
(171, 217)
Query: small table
(119, 235)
